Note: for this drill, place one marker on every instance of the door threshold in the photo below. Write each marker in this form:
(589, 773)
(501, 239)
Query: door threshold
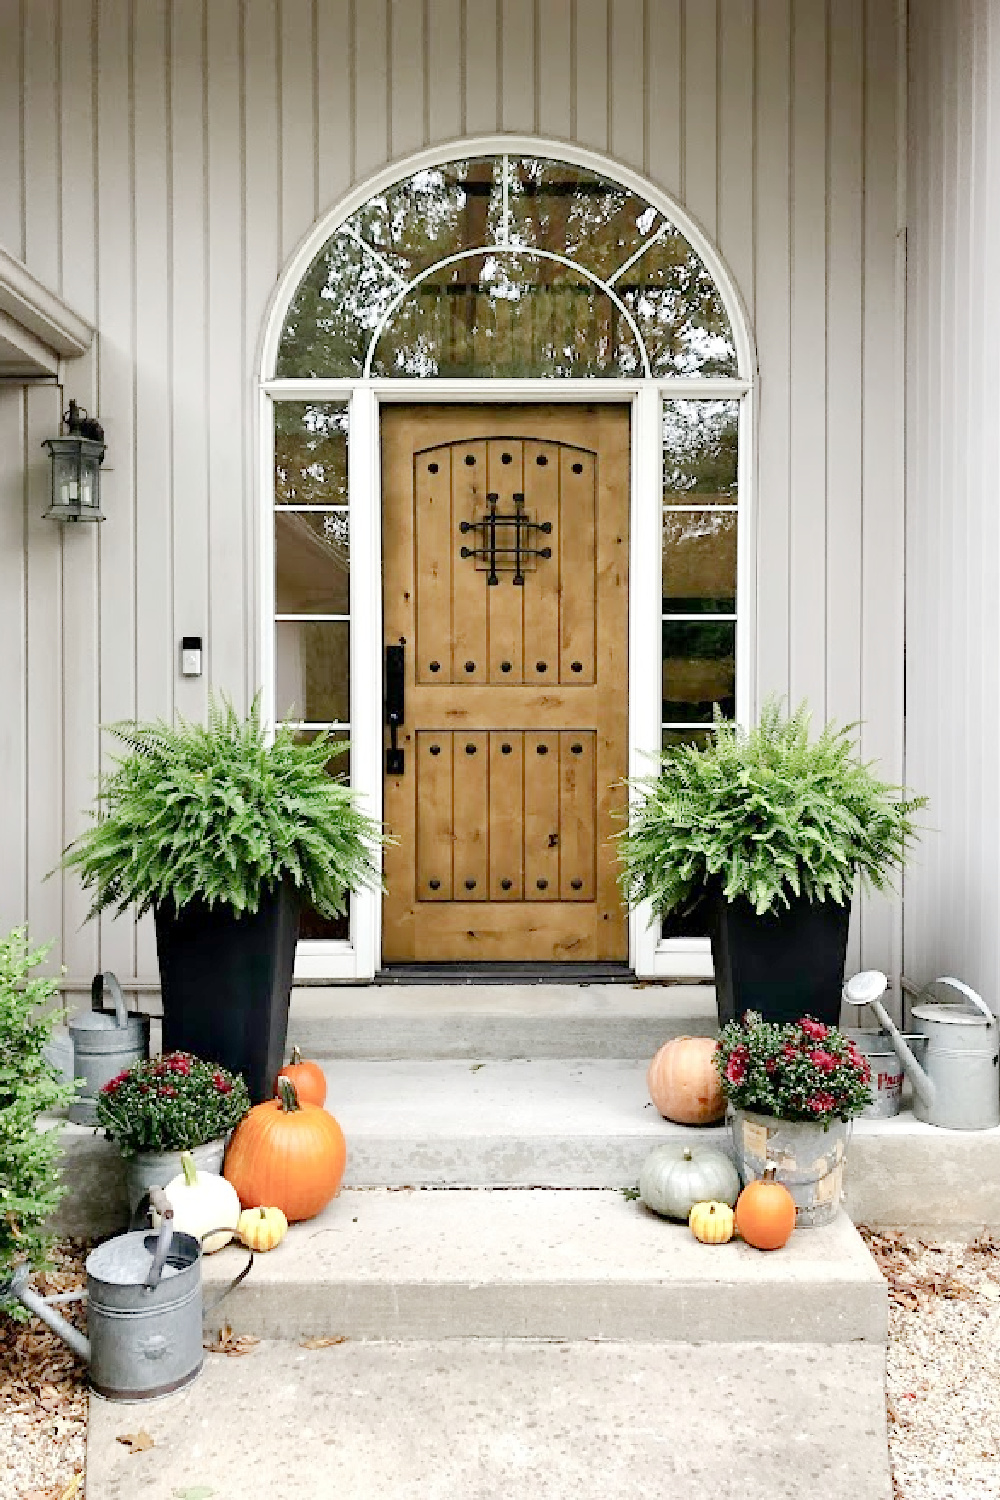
(597, 972)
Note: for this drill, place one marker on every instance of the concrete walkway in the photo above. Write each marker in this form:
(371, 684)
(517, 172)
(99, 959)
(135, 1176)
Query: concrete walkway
(522, 1420)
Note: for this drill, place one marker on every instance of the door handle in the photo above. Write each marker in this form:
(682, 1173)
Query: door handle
(394, 706)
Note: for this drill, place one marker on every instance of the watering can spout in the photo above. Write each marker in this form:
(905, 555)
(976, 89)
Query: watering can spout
(867, 988)
(37, 1304)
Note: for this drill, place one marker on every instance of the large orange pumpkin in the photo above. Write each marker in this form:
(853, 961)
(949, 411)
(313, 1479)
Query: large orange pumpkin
(288, 1155)
(307, 1077)
(683, 1082)
(765, 1213)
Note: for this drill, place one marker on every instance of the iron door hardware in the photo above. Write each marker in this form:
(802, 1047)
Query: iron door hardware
(497, 557)
(394, 706)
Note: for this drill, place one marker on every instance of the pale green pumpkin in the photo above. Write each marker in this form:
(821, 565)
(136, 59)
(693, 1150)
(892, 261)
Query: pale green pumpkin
(676, 1176)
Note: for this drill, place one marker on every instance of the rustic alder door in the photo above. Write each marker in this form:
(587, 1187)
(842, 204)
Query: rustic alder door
(506, 605)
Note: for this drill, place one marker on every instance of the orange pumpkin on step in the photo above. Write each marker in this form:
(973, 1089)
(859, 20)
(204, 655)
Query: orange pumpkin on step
(683, 1082)
(288, 1155)
(308, 1078)
(765, 1213)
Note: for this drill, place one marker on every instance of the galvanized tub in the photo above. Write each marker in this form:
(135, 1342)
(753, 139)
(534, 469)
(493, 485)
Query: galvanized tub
(887, 1071)
(149, 1169)
(809, 1160)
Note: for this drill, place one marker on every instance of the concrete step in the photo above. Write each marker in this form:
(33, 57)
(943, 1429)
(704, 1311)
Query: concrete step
(497, 1020)
(384, 1264)
(510, 1421)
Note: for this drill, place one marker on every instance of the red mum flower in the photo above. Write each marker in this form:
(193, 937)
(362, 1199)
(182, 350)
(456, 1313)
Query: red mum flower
(168, 1091)
(736, 1067)
(825, 1061)
(771, 1065)
(820, 1102)
(814, 1029)
(114, 1084)
(222, 1085)
(790, 1052)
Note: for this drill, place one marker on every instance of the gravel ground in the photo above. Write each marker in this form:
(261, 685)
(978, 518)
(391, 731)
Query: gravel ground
(943, 1388)
(943, 1395)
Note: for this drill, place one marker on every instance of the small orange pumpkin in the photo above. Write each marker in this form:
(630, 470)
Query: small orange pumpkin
(308, 1078)
(288, 1155)
(683, 1082)
(765, 1212)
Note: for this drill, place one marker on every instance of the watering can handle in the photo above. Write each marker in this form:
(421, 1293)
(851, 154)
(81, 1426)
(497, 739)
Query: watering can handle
(161, 1203)
(968, 993)
(97, 988)
(223, 1229)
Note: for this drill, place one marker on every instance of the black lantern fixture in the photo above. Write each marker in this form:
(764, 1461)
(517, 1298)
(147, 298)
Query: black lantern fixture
(76, 468)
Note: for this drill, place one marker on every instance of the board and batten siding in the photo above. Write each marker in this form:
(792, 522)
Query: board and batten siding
(162, 159)
(953, 491)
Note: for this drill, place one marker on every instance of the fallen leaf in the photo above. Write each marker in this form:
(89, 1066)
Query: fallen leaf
(228, 1342)
(321, 1343)
(136, 1442)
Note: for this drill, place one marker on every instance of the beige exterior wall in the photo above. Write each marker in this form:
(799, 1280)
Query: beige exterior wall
(953, 490)
(163, 158)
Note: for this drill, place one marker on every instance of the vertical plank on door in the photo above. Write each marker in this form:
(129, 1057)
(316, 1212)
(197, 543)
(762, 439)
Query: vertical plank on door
(116, 405)
(771, 256)
(435, 831)
(334, 114)
(445, 66)
(469, 619)
(807, 653)
(665, 96)
(505, 600)
(371, 98)
(577, 815)
(736, 103)
(626, 89)
(518, 65)
(232, 537)
(541, 816)
(471, 772)
(554, 68)
(506, 815)
(432, 584)
(577, 577)
(541, 601)
(591, 73)
(482, 104)
(408, 85)
(80, 587)
(298, 122)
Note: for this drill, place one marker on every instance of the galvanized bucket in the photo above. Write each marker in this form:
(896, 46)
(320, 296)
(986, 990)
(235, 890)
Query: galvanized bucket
(104, 1044)
(887, 1070)
(148, 1169)
(809, 1160)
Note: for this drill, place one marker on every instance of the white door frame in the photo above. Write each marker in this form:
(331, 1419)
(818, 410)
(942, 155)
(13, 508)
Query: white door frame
(358, 958)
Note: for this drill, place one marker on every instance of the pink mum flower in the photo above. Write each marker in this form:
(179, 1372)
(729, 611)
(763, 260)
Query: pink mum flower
(825, 1061)
(814, 1029)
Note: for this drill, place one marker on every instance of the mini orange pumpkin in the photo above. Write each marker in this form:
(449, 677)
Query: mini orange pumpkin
(288, 1155)
(683, 1082)
(308, 1078)
(765, 1212)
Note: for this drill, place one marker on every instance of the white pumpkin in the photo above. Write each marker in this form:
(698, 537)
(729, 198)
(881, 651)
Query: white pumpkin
(202, 1201)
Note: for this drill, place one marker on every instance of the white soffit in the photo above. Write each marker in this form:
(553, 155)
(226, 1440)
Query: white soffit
(37, 328)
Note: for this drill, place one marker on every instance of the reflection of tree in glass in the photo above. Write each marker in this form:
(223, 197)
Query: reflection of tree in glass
(679, 311)
(334, 313)
(575, 213)
(699, 562)
(438, 212)
(310, 453)
(700, 451)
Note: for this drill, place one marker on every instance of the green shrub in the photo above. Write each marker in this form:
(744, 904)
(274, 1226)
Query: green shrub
(29, 1176)
(216, 812)
(766, 814)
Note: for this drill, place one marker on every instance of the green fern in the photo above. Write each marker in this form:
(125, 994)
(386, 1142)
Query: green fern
(766, 814)
(214, 811)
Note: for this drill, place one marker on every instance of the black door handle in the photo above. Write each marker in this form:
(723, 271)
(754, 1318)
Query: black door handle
(394, 706)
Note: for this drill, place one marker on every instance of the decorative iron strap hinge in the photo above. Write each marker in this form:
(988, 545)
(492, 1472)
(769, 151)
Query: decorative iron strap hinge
(494, 533)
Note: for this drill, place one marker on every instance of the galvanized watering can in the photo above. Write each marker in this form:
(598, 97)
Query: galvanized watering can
(103, 1045)
(958, 1087)
(144, 1310)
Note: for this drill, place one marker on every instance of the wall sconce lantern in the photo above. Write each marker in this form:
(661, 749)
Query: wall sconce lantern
(76, 468)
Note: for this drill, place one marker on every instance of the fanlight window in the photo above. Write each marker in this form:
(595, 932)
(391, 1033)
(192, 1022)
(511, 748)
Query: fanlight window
(507, 266)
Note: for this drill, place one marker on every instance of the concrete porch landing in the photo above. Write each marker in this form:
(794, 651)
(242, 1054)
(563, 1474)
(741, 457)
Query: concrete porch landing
(522, 1420)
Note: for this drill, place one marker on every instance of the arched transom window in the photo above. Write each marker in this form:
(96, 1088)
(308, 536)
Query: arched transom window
(507, 266)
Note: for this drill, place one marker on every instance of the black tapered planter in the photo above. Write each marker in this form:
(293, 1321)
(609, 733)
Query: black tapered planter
(226, 981)
(784, 964)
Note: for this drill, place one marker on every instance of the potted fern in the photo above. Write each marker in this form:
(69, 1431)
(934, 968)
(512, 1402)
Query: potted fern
(225, 836)
(771, 830)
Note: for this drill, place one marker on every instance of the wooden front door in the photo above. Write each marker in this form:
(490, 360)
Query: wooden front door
(506, 588)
